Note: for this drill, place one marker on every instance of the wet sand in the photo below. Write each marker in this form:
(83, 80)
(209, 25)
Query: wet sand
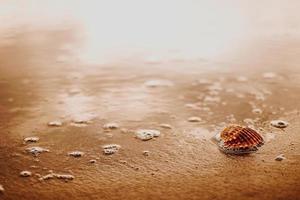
(258, 84)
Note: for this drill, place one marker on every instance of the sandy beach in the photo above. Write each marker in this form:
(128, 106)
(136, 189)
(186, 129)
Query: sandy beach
(48, 92)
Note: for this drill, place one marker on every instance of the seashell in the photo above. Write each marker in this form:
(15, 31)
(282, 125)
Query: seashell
(235, 139)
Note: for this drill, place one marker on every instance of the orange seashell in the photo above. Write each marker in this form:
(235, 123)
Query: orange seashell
(236, 139)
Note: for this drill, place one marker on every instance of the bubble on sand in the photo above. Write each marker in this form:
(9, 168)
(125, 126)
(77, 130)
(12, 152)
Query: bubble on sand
(242, 79)
(1, 188)
(55, 123)
(31, 139)
(76, 154)
(269, 137)
(83, 118)
(280, 157)
(194, 119)
(36, 150)
(210, 99)
(167, 126)
(65, 177)
(25, 173)
(52, 175)
(146, 153)
(240, 95)
(47, 177)
(110, 149)
(147, 134)
(217, 137)
(80, 125)
(230, 118)
(159, 83)
(269, 75)
(257, 111)
(279, 123)
(74, 91)
(111, 126)
(215, 86)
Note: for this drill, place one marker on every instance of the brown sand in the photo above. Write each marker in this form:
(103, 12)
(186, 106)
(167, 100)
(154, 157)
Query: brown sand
(183, 162)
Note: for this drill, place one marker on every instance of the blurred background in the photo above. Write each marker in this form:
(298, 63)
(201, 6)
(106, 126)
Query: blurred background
(152, 31)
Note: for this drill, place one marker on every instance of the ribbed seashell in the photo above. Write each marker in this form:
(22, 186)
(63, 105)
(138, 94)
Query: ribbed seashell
(235, 139)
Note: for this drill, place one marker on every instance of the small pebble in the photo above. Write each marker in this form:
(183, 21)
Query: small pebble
(55, 123)
(279, 123)
(76, 154)
(92, 161)
(110, 149)
(147, 134)
(31, 139)
(111, 126)
(280, 157)
(257, 111)
(146, 153)
(194, 119)
(25, 173)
